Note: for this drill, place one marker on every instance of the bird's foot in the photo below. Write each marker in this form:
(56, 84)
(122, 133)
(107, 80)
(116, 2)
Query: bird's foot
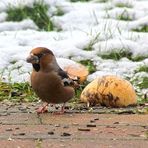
(42, 109)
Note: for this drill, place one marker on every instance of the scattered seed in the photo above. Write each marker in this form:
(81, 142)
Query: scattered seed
(108, 126)
(83, 129)
(22, 109)
(10, 139)
(66, 126)
(66, 134)
(22, 134)
(57, 107)
(91, 125)
(134, 135)
(92, 121)
(17, 128)
(96, 119)
(57, 125)
(75, 124)
(116, 123)
(51, 133)
(67, 107)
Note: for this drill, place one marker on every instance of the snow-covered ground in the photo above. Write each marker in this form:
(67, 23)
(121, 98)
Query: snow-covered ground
(82, 23)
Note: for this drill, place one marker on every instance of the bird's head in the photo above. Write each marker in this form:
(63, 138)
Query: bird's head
(40, 56)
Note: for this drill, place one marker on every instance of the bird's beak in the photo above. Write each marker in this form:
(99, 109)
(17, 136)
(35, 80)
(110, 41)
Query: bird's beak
(32, 59)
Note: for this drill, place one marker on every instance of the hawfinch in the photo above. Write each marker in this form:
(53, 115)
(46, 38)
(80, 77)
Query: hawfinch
(48, 80)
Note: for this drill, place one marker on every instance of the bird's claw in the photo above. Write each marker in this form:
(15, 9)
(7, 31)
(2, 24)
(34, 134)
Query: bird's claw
(42, 109)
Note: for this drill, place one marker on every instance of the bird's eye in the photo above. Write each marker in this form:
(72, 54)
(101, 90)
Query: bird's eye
(39, 55)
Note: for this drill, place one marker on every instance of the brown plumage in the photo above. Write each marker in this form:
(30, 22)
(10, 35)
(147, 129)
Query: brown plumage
(48, 80)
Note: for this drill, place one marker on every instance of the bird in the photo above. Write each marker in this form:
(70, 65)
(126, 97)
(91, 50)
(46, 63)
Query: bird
(50, 83)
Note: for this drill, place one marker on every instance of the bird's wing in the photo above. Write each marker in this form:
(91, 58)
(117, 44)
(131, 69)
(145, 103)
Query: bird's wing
(65, 78)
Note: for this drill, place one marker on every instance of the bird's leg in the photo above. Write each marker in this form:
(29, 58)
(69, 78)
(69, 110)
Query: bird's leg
(63, 109)
(43, 109)
(60, 112)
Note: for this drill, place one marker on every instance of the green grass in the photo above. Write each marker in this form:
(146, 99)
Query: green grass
(143, 83)
(142, 100)
(19, 92)
(128, 5)
(116, 55)
(143, 68)
(102, 1)
(38, 13)
(124, 16)
(59, 11)
(92, 42)
(89, 64)
(139, 58)
(141, 29)
(80, 0)
(22, 92)
(122, 53)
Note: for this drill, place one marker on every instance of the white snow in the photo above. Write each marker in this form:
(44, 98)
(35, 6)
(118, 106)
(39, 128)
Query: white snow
(82, 24)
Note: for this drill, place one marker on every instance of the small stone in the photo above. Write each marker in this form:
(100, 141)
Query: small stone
(91, 125)
(83, 129)
(66, 134)
(51, 133)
